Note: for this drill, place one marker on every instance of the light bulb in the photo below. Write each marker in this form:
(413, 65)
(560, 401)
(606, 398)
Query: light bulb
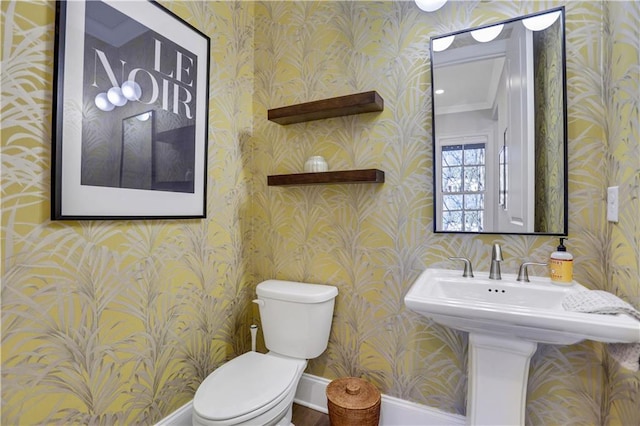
(430, 5)
(131, 90)
(541, 22)
(115, 96)
(484, 35)
(443, 43)
(144, 116)
(102, 102)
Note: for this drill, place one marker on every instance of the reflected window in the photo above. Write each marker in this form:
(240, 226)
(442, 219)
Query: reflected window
(463, 187)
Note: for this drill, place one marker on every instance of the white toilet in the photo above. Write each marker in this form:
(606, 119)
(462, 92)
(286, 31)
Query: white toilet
(258, 389)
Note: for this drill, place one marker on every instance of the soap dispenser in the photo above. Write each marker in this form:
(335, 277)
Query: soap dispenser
(561, 265)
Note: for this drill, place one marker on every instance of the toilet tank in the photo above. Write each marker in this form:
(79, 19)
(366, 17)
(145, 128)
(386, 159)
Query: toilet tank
(296, 317)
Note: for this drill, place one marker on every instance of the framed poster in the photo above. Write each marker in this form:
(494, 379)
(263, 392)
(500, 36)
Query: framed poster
(130, 113)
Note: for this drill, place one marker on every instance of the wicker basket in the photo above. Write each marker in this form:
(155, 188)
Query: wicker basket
(353, 402)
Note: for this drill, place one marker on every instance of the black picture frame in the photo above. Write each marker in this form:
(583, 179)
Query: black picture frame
(130, 121)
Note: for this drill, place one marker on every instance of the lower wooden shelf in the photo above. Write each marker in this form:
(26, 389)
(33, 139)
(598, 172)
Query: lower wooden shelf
(322, 178)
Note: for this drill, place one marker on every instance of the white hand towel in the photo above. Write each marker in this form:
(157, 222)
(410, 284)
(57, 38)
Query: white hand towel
(598, 302)
(602, 302)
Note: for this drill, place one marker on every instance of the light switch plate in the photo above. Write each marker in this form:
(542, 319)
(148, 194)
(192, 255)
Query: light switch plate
(612, 204)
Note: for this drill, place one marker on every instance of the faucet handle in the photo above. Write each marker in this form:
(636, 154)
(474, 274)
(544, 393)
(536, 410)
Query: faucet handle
(523, 275)
(468, 269)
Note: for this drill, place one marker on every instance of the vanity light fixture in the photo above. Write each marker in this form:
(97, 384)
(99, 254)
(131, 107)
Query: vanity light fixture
(440, 44)
(131, 90)
(430, 5)
(541, 22)
(102, 102)
(116, 97)
(484, 35)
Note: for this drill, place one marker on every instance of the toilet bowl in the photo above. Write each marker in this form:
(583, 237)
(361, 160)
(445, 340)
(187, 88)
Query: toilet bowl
(252, 389)
(258, 389)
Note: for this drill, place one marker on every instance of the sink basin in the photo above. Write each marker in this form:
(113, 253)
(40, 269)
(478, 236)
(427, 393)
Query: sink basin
(506, 320)
(527, 311)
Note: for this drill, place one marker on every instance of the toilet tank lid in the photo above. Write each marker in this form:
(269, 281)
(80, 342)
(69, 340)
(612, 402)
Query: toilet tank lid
(291, 291)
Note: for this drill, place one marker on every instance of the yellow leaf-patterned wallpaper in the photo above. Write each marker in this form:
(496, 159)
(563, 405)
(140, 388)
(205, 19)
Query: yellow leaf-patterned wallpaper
(117, 322)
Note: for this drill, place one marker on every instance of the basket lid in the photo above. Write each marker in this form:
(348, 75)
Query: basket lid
(353, 393)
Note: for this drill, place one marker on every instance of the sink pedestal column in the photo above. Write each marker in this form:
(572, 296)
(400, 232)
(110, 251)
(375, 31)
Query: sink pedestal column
(498, 373)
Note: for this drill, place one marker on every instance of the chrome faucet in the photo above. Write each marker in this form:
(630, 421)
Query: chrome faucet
(468, 269)
(496, 258)
(523, 275)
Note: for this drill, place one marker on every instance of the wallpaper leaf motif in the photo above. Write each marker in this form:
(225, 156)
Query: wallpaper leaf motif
(393, 60)
(119, 322)
(100, 323)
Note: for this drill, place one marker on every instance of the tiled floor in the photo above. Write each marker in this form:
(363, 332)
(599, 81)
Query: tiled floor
(303, 416)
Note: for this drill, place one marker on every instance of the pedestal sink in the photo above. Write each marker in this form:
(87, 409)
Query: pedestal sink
(506, 320)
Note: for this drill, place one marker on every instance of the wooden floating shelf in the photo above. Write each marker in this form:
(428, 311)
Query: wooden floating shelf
(342, 176)
(327, 108)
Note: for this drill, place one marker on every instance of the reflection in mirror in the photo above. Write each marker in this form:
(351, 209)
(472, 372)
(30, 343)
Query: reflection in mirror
(156, 160)
(137, 142)
(499, 127)
(174, 156)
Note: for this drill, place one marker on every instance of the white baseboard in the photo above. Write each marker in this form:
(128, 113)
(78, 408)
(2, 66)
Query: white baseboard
(311, 393)
(393, 411)
(180, 417)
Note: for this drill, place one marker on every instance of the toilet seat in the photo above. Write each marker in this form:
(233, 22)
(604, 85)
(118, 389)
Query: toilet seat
(246, 387)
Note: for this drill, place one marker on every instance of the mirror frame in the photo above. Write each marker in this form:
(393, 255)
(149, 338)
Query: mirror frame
(436, 207)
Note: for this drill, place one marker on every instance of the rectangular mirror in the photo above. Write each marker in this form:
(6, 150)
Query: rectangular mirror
(156, 160)
(136, 152)
(500, 127)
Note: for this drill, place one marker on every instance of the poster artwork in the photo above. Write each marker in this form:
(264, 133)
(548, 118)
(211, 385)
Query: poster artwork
(139, 97)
